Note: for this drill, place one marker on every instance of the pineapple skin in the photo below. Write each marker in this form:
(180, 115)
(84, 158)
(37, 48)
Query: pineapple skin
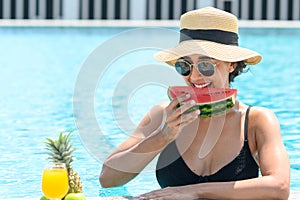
(75, 184)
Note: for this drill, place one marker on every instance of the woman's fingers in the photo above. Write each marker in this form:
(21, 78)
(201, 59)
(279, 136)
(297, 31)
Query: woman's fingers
(174, 103)
(172, 128)
(178, 111)
(184, 119)
(176, 117)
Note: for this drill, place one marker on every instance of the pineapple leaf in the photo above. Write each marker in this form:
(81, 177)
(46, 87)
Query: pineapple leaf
(62, 148)
(56, 144)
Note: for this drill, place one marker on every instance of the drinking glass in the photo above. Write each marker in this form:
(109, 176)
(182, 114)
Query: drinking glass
(55, 183)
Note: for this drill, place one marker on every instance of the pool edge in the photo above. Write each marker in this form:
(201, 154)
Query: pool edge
(136, 23)
(294, 195)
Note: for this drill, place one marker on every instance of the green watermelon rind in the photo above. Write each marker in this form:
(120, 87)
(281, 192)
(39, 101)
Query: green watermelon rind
(216, 108)
(212, 108)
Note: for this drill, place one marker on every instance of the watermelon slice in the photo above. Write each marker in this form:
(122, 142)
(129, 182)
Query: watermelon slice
(210, 101)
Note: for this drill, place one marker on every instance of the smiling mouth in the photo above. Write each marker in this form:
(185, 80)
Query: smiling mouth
(201, 85)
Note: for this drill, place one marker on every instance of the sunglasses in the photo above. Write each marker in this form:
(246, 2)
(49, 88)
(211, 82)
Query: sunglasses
(183, 67)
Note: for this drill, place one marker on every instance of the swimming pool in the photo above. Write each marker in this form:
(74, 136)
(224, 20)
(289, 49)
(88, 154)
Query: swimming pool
(40, 68)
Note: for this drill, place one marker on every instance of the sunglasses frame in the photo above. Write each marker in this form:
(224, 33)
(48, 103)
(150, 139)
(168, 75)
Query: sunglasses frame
(192, 64)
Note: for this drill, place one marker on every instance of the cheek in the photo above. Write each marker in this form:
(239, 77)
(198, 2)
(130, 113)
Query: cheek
(187, 80)
(221, 75)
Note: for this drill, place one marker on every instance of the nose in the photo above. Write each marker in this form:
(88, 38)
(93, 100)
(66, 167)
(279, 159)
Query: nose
(195, 74)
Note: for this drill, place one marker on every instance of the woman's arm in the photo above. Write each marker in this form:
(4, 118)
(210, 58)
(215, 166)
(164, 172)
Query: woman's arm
(124, 163)
(274, 165)
(157, 129)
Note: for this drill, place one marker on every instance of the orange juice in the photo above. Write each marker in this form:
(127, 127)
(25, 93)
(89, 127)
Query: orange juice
(55, 183)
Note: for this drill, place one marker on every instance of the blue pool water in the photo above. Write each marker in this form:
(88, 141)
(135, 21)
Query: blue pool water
(39, 73)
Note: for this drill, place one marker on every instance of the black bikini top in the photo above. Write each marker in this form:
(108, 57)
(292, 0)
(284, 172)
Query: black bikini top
(177, 173)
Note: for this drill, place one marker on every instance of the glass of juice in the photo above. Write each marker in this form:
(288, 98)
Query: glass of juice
(55, 183)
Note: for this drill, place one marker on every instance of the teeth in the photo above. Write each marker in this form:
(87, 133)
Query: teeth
(201, 85)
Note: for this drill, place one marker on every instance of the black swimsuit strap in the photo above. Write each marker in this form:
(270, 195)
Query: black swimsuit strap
(246, 124)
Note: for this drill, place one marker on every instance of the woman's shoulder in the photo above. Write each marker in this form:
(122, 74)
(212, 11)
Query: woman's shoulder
(256, 111)
(262, 112)
(263, 120)
(260, 116)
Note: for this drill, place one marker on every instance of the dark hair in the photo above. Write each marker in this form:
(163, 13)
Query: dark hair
(240, 67)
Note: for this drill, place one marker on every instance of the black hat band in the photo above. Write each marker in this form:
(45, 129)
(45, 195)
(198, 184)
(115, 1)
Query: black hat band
(218, 36)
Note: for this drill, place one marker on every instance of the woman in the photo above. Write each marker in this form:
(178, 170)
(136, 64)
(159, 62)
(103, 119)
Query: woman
(216, 157)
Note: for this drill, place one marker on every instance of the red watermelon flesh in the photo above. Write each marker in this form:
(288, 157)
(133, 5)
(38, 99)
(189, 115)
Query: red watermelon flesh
(202, 95)
(210, 101)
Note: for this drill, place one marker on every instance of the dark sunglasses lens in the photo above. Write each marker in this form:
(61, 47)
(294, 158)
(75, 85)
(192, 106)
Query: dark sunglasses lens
(182, 68)
(206, 68)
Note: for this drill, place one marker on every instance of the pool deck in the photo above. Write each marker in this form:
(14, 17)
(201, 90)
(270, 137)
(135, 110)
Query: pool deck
(294, 195)
(137, 23)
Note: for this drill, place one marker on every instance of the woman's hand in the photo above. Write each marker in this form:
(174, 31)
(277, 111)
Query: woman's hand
(171, 193)
(176, 116)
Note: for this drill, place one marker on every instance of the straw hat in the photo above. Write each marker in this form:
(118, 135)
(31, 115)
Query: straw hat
(210, 32)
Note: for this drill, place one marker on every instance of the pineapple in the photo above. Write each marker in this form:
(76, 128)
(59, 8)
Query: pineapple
(61, 150)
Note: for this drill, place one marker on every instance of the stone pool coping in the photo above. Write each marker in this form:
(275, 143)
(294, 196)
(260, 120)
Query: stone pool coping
(294, 195)
(135, 23)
